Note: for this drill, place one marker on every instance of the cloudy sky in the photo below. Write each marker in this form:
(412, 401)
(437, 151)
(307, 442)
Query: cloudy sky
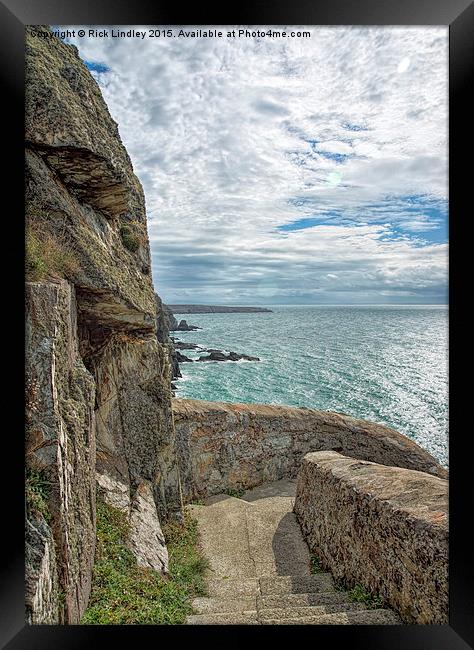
(290, 170)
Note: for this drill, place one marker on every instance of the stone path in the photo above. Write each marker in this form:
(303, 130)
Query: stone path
(260, 567)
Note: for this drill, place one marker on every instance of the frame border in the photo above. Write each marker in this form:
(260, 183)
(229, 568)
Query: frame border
(14, 15)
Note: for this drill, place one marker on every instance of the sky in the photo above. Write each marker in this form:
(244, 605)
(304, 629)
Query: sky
(287, 170)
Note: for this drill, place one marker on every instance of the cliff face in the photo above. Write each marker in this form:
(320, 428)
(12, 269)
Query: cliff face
(98, 378)
(166, 322)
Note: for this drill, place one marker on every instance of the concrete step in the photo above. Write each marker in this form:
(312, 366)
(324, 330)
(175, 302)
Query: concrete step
(259, 537)
(282, 488)
(232, 587)
(320, 582)
(276, 543)
(301, 600)
(365, 617)
(259, 570)
(220, 605)
(308, 610)
(224, 537)
(228, 618)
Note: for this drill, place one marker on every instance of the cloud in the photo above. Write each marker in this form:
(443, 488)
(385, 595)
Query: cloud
(344, 133)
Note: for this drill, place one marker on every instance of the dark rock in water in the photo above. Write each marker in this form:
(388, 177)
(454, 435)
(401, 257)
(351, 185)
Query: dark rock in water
(218, 355)
(176, 372)
(215, 355)
(184, 327)
(174, 387)
(182, 358)
(233, 356)
(180, 345)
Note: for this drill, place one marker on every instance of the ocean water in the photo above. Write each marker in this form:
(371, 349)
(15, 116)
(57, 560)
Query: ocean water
(387, 364)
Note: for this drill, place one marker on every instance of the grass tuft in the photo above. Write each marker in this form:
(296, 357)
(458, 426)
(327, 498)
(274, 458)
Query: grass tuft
(315, 565)
(123, 593)
(131, 236)
(238, 493)
(359, 594)
(46, 257)
(37, 491)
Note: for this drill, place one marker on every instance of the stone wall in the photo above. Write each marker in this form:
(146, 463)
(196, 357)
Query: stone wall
(385, 528)
(221, 446)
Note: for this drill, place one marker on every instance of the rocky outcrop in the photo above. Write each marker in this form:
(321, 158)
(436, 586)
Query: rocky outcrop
(221, 446)
(385, 528)
(98, 377)
(182, 358)
(42, 590)
(146, 538)
(218, 355)
(184, 327)
(180, 345)
(172, 322)
(214, 309)
(165, 321)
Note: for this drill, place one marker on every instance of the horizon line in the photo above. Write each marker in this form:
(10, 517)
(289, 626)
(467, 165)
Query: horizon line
(302, 304)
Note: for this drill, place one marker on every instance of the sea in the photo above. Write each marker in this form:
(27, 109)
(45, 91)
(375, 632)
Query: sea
(387, 364)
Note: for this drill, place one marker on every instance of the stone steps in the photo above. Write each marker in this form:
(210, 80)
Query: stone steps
(260, 567)
(223, 605)
(215, 605)
(309, 584)
(226, 618)
(279, 617)
(301, 600)
(367, 617)
(304, 611)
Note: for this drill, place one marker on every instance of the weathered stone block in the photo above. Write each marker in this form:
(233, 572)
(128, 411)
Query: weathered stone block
(146, 538)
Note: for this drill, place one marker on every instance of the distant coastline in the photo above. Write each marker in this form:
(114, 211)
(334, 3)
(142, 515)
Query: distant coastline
(215, 309)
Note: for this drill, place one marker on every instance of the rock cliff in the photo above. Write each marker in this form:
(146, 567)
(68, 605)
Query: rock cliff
(166, 322)
(97, 376)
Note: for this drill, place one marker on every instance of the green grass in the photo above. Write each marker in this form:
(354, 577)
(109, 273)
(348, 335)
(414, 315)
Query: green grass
(131, 237)
(238, 493)
(46, 256)
(359, 594)
(186, 561)
(198, 502)
(37, 491)
(315, 565)
(123, 593)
